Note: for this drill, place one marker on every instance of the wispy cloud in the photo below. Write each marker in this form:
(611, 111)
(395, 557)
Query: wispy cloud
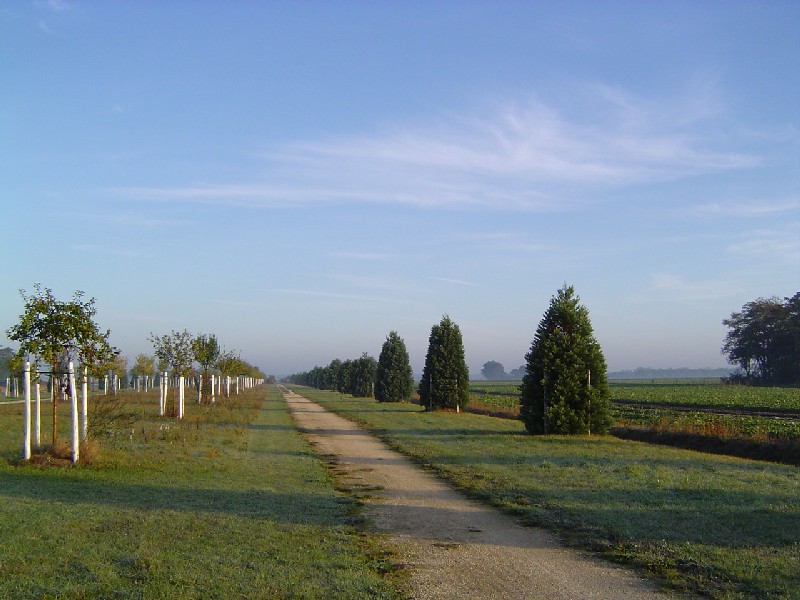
(44, 27)
(517, 155)
(756, 207)
(777, 244)
(456, 281)
(366, 256)
(127, 219)
(54, 5)
(336, 295)
(108, 250)
(674, 288)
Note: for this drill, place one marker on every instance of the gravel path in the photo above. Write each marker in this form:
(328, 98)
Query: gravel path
(454, 547)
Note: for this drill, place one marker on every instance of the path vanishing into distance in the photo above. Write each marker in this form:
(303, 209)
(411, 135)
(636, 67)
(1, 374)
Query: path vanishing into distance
(452, 546)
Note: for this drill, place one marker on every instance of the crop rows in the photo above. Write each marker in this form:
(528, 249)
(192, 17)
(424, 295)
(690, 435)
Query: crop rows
(708, 409)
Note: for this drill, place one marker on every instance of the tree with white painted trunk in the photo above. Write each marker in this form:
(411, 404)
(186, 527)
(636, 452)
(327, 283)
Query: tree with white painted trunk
(52, 332)
(206, 352)
(175, 351)
(143, 370)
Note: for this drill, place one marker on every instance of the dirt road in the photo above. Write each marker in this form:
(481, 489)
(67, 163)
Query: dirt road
(454, 547)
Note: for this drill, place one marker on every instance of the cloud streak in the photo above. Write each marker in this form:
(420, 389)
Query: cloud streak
(520, 156)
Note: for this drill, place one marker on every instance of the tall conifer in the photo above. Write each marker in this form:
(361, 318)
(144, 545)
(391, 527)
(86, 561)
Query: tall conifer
(564, 389)
(394, 380)
(445, 378)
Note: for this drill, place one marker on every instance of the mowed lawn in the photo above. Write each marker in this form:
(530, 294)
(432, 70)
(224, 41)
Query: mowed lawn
(721, 526)
(228, 503)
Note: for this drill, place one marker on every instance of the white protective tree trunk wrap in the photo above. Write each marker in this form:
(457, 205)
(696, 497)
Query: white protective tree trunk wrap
(73, 395)
(26, 413)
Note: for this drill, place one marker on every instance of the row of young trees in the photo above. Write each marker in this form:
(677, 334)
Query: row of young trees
(54, 334)
(564, 389)
(389, 379)
(355, 377)
(178, 351)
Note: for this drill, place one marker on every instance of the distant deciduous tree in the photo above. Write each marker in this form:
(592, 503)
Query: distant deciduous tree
(143, 366)
(764, 340)
(206, 350)
(174, 350)
(565, 389)
(493, 371)
(6, 354)
(517, 373)
(393, 379)
(445, 377)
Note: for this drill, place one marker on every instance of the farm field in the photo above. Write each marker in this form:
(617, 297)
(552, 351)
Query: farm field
(689, 393)
(707, 408)
(228, 503)
(721, 526)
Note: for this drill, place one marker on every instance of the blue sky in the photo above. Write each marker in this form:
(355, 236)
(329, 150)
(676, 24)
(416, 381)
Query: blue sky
(300, 178)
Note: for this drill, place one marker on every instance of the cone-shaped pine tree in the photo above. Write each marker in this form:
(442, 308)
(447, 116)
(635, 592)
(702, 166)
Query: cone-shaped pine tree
(564, 389)
(445, 378)
(394, 380)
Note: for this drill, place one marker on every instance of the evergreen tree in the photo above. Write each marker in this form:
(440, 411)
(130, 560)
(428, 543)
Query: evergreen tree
(394, 380)
(362, 376)
(564, 389)
(445, 378)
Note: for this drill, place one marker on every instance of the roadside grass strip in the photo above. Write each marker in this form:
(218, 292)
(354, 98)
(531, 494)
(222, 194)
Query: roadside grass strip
(715, 525)
(228, 503)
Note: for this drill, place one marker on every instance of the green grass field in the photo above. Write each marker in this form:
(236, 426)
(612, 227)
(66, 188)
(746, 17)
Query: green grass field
(721, 526)
(229, 503)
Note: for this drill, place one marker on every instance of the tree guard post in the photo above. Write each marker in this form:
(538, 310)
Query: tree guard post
(73, 395)
(37, 417)
(163, 385)
(85, 405)
(26, 413)
(180, 396)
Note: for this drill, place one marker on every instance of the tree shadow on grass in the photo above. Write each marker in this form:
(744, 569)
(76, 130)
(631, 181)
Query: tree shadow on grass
(284, 507)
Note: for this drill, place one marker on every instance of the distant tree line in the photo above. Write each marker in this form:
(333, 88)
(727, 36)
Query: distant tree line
(764, 341)
(495, 371)
(673, 373)
(352, 376)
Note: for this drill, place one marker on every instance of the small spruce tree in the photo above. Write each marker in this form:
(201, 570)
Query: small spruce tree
(394, 379)
(564, 390)
(445, 378)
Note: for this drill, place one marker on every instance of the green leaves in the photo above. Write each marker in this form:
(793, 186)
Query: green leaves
(174, 351)
(206, 350)
(764, 340)
(50, 329)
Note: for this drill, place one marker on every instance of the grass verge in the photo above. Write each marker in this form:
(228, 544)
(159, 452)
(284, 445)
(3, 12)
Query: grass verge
(228, 503)
(720, 526)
